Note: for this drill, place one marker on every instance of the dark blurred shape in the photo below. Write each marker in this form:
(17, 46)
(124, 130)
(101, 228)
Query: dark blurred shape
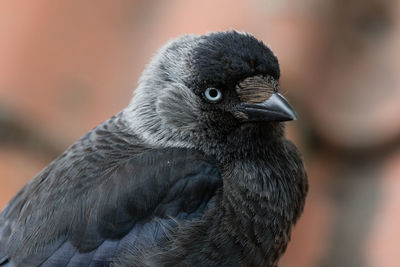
(18, 133)
(352, 100)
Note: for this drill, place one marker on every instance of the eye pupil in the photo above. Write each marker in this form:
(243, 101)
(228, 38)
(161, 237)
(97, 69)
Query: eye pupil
(213, 94)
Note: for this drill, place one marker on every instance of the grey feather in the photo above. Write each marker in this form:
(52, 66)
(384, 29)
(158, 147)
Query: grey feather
(173, 179)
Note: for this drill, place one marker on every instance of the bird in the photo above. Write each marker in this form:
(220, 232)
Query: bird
(195, 170)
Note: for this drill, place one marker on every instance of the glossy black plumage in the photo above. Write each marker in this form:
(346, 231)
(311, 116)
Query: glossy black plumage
(120, 193)
(172, 180)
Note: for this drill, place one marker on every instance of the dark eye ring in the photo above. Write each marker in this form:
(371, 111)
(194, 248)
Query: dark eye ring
(213, 94)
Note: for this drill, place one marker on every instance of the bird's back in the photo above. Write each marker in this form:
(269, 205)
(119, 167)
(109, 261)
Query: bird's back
(107, 194)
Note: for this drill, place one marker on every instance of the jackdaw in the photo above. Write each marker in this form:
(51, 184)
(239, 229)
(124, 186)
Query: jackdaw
(195, 171)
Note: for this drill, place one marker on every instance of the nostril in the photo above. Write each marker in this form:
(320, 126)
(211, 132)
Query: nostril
(257, 89)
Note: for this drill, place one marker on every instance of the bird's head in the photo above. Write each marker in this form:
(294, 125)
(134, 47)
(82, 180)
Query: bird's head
(204, 87)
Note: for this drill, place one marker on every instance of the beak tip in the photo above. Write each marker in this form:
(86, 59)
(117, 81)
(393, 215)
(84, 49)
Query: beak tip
(293, 116)
(280, 104)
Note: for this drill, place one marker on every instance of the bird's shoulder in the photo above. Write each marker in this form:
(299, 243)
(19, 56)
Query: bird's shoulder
(101, 189)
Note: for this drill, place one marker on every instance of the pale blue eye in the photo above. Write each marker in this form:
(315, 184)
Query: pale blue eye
(213, 94)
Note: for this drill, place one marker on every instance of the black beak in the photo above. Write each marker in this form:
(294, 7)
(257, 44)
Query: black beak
(275, 108)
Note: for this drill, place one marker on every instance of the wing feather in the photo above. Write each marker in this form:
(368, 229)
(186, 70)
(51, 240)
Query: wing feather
(103, 194)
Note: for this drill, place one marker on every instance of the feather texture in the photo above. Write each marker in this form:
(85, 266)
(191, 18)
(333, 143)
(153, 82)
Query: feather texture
(105, 192)
(172, 180)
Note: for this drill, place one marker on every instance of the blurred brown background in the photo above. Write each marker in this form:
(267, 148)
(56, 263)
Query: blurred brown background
(67, 65)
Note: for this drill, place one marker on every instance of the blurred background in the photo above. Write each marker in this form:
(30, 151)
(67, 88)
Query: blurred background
(67, 65)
